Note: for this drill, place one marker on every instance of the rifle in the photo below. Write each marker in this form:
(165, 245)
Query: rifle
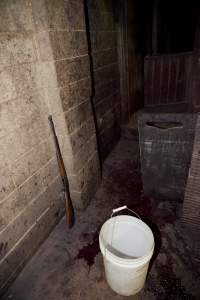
(69, 210)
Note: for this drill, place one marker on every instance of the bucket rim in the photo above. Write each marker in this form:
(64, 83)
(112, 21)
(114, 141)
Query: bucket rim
(126, 261)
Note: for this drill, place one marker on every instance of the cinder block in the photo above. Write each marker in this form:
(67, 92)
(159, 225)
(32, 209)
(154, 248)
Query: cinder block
(7, 88)
(103, 91)
(101, 20)
(81, 136)
(90, 189)
(75, 15)
(44, 47)
(16, 16)
(49, 15)
(67, 44)
(104, 58)
(41, 128)
(38, 182)
(13, 145)
(105, 120)
(74, 183)
(85, 174)
(82, 199)
(65, 145)
(69, 164)
(17, 80)
(6, 118)
(29, 190)
(90, 170)
(16, 229)
(105, 74)
(10, 207)
(19, 255)
(103, 40)
(71, 70)
(6, 183)
(49, 172)
(86, 151)
(60, 123)
(30, 108)
(32, 161)
(55, 45)
(54, 101)
(75, 117)
(16, 48)
(104, 105)
(44, 74)
(22, 140)
(75, 93)
(3, 155)
(76, 162)
(58, 15)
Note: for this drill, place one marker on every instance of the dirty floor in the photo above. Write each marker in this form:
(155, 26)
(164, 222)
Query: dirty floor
(69, 264)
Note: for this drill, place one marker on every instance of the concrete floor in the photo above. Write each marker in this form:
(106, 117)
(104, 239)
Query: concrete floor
(69, 265)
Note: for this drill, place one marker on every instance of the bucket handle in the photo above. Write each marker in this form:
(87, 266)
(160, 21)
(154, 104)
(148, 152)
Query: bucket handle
(123, 208)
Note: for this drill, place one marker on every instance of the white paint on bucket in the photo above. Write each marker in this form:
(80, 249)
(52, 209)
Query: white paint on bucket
(127, 245)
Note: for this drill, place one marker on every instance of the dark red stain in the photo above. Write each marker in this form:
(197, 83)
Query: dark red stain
(125, 186)
(89, 252)
(128, 184)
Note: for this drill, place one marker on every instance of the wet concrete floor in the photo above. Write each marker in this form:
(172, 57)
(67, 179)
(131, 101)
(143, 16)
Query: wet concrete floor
(69, 264)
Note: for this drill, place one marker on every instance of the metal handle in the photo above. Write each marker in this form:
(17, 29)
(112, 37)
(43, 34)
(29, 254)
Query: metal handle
(123, 208)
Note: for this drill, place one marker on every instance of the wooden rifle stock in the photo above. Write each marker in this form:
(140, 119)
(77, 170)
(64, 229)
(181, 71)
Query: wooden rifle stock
(69, 211)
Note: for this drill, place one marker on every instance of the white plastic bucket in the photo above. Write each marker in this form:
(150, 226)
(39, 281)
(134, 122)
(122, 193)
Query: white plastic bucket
(127, 245)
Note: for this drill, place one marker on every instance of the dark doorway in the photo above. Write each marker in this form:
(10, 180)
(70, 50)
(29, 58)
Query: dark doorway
(151, 28)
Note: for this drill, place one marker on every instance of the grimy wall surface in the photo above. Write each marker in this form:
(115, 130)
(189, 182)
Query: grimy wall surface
(106, 89)
(44, 69)
(166, 152)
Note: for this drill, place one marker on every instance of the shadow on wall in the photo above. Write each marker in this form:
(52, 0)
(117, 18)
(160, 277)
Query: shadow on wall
(87, 23)
(100, 18)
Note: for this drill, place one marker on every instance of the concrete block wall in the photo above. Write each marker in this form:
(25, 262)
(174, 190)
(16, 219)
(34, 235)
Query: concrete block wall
(103, 36)
(61, 36)
(44, 69)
